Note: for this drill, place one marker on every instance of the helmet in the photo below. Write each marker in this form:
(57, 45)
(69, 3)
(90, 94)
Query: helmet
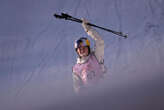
(82, 40)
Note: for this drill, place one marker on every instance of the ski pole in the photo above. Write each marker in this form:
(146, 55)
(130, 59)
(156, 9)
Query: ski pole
(68, 17)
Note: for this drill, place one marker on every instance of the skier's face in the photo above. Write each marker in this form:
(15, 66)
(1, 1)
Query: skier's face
(82, 51)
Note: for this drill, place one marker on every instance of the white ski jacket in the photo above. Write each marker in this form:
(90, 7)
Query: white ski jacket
(90, 69)
(98, 48)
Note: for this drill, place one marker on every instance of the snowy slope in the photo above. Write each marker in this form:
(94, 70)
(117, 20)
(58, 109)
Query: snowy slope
(37, 54)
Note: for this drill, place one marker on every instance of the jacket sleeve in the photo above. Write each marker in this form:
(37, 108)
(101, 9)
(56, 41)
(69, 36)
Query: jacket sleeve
(99, 45)
(77, 82)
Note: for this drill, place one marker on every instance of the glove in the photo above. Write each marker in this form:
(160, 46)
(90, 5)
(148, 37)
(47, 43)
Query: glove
(85, 26)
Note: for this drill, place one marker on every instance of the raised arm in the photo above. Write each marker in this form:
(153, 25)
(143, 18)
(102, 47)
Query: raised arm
(99, 42)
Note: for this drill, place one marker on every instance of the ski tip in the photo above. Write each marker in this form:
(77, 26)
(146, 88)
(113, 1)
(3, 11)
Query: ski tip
(126, 36)
(58, 16)
(55, 15)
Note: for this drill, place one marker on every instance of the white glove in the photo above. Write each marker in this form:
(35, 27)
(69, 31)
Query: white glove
(85, 26)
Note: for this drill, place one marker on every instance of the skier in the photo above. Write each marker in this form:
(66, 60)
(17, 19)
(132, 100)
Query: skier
(89, 68)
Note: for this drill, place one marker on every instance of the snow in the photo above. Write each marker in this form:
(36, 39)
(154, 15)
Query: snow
(37, 54)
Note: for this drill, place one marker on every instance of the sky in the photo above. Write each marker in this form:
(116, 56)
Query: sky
(37, 54)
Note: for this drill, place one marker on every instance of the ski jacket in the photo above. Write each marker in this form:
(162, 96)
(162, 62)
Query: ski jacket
(87, 71)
